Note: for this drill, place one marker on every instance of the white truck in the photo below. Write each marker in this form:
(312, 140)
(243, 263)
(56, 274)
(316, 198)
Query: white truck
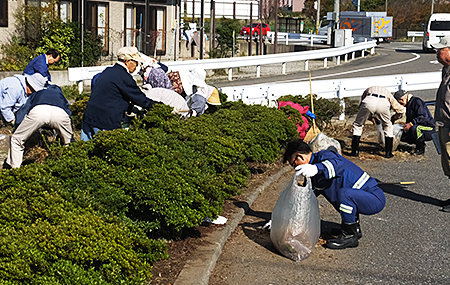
(438, 26)
(374, 25)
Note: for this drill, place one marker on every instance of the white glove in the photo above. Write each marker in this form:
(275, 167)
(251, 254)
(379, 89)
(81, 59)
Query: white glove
(307, 170)
(268, 225)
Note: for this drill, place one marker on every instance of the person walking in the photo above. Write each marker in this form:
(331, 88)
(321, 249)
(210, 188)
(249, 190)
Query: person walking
(347, 187)
(45, 108)
(14, 92)
(442, 107)
(419, 123)
(376, 101)
(40, 63)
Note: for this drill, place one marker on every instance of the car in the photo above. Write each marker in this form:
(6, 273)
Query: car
(256, 29)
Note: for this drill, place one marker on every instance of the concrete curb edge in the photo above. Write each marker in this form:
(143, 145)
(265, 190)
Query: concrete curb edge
(198, 270)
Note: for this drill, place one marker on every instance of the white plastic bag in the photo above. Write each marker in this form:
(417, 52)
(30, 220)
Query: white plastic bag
(398, 132)
(323, 142)
(296, 221)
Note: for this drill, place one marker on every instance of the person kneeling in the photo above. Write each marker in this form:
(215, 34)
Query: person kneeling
(45, 108)
(420, 125)
(347, 187)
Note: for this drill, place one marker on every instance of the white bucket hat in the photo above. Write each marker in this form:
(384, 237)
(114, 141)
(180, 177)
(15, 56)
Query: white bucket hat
(194, 77)
(37, 81)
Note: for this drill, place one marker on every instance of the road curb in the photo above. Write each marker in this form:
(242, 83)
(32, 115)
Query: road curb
(198, 270)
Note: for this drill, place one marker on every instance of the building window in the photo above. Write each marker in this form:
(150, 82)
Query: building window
(3, 13)
(134, 20)
(97, 22)
(65, 11)
(157, 34)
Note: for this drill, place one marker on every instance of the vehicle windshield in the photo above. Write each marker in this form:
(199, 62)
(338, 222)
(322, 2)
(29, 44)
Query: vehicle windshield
(440, 26)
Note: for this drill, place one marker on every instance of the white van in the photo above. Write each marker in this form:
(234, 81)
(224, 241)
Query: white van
(438, 25)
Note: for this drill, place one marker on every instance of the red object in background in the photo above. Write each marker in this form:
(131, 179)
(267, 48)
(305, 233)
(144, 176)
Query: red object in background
(301, 129)
(256, 29)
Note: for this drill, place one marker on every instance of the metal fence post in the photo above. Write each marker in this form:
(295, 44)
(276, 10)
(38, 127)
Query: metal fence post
(306, 64)
(283, 70)
(230, 74)
(258, 71)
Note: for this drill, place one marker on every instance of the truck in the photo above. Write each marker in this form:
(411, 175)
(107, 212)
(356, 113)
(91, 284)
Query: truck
(374, 25)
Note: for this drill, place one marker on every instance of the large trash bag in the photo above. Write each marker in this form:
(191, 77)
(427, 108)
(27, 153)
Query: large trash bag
(398, 131)
(323, 142)
(296, 221)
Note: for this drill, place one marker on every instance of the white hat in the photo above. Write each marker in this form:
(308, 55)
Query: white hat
(443, 43)
(37, 81)
(132, 53)
(192, 77)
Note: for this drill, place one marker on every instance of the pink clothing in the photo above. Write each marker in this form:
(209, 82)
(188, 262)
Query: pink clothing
(301, 129)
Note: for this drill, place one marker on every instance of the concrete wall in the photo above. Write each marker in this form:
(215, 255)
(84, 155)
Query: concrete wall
(5, 32)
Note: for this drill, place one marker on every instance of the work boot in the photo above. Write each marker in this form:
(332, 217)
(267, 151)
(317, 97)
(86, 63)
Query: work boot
(388, 143)
(355, 145)
(420, 146)
(347, 238)
(336, 231)
(446, 209)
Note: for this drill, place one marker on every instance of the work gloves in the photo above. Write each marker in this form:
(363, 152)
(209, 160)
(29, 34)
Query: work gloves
(307, 170)
(310, 114)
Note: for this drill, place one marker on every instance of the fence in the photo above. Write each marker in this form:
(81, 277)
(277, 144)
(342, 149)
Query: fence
(268, 93)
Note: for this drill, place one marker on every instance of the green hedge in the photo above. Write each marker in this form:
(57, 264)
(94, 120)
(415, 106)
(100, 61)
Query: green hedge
(97, 211)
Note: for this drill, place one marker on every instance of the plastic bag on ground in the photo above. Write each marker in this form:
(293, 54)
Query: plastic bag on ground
(295, 226)
(323, 142)
(398, 131)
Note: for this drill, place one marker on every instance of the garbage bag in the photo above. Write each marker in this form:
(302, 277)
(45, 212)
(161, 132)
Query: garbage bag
(323, 142)
(296, 221)
(398, 131)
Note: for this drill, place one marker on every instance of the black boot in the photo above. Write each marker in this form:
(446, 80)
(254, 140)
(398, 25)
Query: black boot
(355, 145)
(388, 143)
(420, 146)
(336, 231)
(347, 238)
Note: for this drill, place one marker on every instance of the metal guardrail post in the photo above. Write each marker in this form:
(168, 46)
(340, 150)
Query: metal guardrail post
(340, 96)
(283, 69)
(312, 40)
(80, 86)
(338, 60)
(325, 62)
(372, 50)
(363, 52)
(230, 74)
(306, 64)
(287, 39)
(258, 71)
(353, 55)
(346, 57)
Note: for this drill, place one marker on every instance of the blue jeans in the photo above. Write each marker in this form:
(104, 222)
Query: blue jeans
(88, 131)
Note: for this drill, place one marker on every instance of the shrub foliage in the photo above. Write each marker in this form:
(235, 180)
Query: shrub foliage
(96, 211)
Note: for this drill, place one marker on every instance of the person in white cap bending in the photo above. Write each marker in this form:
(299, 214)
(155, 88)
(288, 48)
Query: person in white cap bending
(114, 92)
(442, 107)
(14, 92)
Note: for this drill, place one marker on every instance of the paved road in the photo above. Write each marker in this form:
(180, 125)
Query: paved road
(407, 243)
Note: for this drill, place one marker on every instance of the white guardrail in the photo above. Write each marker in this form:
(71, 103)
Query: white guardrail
(414, 34)
(78, 74)
(267, 94)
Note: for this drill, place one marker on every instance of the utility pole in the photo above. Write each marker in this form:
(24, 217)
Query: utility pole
(275, 45)
(387, 4)
(250, 41)
(318, 17)
(202, 30)
(432, 6)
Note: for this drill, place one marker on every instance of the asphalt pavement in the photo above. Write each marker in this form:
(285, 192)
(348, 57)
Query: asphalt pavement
(406, 243)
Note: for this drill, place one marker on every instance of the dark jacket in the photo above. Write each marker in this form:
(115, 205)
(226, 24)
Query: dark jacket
(52, 96)
(417, 113)
(38, 65)
(114, 89)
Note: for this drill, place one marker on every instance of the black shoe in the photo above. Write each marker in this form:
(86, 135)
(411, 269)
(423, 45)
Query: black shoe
(419, 151)
(355, 145)
(336, 231)
(347, 238)
(446, 209)
(388, 143)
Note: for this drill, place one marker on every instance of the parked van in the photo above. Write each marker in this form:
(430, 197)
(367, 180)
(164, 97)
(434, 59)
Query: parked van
(438, 26)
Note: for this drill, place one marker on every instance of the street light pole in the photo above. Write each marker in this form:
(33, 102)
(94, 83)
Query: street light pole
(432, 6)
